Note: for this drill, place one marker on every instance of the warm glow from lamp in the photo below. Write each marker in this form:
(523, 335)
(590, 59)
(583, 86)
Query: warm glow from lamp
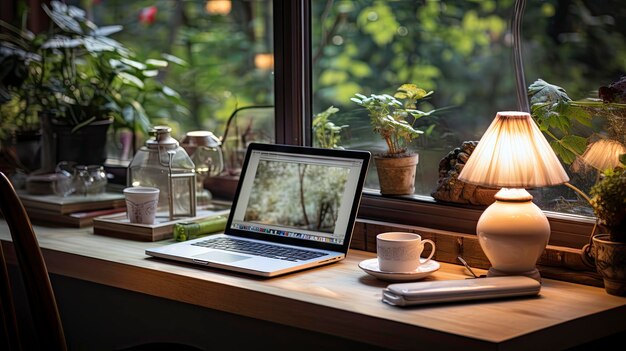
(603, 154)
(264, 61)
(513, 154)
(218, 7)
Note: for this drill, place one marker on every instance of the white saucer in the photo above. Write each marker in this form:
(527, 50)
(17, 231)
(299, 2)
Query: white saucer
(371, 266)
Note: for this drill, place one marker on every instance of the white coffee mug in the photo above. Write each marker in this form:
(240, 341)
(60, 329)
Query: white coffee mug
(141, 204)
(400, 252)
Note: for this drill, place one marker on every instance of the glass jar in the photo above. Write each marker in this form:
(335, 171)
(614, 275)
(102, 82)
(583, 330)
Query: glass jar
(63, 184)
(82, 179)
(98, 179)
(205, 151)
(163, 164)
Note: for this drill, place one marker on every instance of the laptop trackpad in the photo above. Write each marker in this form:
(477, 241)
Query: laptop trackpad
(216, 256)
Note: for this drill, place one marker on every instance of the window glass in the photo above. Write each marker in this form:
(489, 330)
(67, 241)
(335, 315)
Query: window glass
(223, 53)
(462, 51)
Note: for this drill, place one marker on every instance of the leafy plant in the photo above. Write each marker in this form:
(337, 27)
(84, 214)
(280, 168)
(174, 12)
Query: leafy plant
(389, 116)
(558, 116)
(80, 74)
(609, 201)
(327, 134)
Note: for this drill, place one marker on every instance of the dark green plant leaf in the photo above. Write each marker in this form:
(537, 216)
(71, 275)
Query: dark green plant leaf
(174, 59)
(135, 64)
(150, 73)
(23, 34)
(62, 41)
(560, 122)
(583, 117)
(59, 15)
(141, 118)
(84, 123)
(152, 63)
(574, 143)
(564, 154)
(541, 91)
(129, 78)
(100, 44)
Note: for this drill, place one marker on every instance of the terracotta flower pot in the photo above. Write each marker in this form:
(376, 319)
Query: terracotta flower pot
(396, 175)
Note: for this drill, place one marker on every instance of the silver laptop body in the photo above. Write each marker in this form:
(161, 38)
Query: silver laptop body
(302, 199)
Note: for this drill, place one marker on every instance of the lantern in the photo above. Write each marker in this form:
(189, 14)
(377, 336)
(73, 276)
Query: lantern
(163, 164)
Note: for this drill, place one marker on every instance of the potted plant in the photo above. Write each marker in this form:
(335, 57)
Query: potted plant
(327, 134)
(608, 200)
(392, 117)
(80, 81)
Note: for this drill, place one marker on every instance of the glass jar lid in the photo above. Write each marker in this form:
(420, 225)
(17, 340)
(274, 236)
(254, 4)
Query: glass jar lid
(162, 138)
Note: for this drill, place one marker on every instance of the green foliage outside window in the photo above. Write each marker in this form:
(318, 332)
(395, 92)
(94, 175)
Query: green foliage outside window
(218, 49)
(462, 49)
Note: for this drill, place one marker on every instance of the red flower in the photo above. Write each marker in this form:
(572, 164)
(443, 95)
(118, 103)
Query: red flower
(147, 15)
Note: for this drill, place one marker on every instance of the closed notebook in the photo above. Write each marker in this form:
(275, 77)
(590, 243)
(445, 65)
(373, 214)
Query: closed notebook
(438, 291)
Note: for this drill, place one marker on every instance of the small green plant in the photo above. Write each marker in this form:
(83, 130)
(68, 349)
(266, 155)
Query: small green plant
(609, 201)
(389, 116)
(327, 134)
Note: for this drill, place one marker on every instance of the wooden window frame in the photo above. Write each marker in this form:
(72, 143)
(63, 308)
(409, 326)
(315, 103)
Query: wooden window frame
(293, 77)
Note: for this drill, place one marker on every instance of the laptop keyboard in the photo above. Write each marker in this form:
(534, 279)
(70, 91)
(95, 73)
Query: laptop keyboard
(260, 249)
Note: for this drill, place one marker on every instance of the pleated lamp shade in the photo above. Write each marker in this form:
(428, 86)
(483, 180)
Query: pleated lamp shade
(604, 154)
(513, 154)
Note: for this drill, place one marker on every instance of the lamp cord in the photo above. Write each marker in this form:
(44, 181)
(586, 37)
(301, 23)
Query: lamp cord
(586, 255)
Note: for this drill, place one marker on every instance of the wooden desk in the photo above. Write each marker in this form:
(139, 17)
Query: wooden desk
(339, 300)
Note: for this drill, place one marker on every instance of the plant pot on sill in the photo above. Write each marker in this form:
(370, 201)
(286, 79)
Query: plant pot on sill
(86, 146)
(396, 175)
(610, 260)
(28, 148)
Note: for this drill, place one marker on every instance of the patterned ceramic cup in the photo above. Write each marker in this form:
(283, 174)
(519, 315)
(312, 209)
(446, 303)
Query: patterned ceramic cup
(400, 252)
(141, 204)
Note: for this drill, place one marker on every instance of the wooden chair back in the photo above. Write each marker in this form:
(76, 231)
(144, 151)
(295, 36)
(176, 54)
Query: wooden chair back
(44, 311)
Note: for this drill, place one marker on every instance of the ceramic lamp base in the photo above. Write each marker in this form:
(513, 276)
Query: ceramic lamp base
(513, 232)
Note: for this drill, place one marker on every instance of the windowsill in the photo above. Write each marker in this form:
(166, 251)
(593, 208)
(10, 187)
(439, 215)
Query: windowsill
(571, 231)
(457, 222)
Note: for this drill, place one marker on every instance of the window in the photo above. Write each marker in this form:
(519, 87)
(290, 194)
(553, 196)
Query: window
(326, 51)
(463, 51)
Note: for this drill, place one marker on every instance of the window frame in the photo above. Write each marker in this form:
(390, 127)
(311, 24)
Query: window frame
(293, 77)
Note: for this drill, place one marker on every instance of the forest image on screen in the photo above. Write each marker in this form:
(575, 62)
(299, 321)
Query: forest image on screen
(302, 196)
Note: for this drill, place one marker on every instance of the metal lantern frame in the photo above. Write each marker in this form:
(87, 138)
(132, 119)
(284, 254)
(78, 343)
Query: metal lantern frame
(191, 185)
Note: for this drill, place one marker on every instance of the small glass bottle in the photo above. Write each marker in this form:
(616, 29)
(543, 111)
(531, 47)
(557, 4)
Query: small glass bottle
(82, 179)
(99, 179)
(63, 184)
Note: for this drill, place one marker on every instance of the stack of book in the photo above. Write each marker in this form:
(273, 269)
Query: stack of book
(118, 225)
(75, 210)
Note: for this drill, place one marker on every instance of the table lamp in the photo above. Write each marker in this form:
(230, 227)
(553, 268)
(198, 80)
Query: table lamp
(513, 155)
(603, 154)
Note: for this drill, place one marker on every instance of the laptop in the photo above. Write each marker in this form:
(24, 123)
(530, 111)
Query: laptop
(294, 209)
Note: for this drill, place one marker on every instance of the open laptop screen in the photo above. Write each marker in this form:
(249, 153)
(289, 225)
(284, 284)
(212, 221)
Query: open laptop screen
(299, 194)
